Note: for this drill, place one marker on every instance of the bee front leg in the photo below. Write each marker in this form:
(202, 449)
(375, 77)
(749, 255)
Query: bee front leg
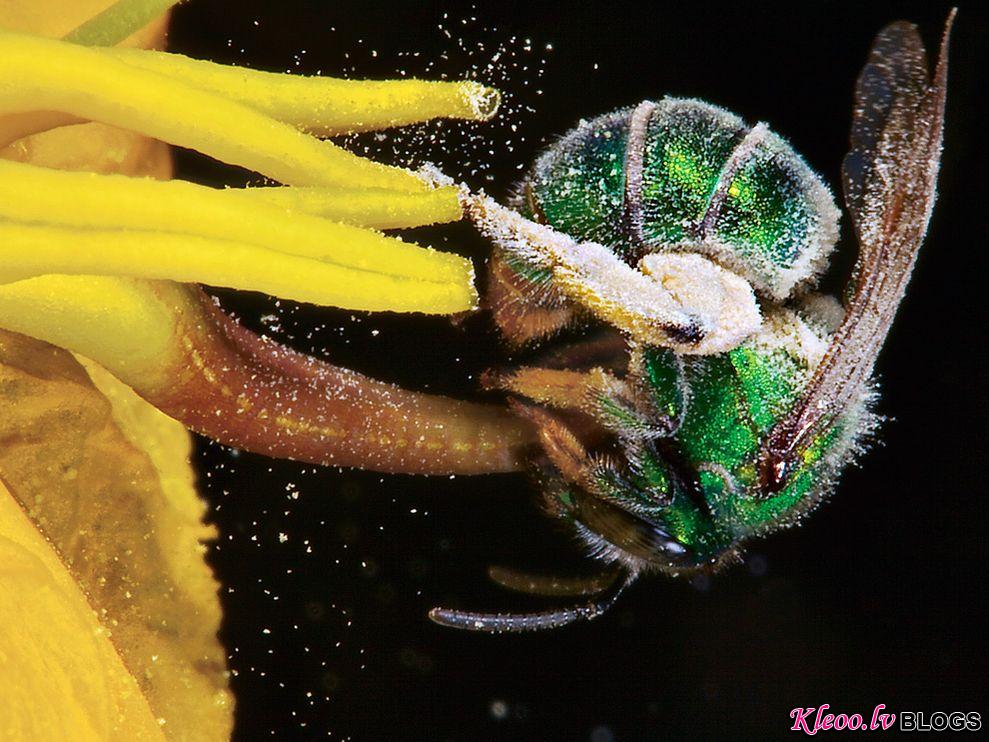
(560, 388)
(620, 406)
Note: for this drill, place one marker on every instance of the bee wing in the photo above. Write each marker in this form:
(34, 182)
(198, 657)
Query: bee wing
(889, 177)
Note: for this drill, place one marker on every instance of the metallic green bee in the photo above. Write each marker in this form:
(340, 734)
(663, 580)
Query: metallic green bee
(720, 398)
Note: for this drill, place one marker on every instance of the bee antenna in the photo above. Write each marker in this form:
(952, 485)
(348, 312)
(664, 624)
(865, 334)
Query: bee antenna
(497, 623)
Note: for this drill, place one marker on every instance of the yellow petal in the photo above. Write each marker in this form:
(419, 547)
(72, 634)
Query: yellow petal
(180, 513)
(108, 486)
(60, 675)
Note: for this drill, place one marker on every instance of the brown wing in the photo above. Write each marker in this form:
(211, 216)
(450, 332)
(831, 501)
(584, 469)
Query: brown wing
(889, 176)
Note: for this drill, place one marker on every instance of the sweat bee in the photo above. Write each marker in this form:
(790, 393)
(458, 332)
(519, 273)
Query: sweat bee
(716, 397)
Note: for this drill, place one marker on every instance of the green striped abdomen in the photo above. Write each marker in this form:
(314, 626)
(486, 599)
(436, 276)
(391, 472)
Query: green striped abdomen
(686, 175)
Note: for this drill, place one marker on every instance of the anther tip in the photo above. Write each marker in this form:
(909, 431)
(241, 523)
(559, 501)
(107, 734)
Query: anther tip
(482, 101)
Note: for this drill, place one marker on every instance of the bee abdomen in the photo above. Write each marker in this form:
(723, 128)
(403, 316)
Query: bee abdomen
(686, 175)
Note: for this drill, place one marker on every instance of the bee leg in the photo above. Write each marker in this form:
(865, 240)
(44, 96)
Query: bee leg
(564, 377)
(680, 301)
(497, 623)
(559, 443)
(563, 389)
(619, 406)
(525, 311)
(607, 349)
(550, 585)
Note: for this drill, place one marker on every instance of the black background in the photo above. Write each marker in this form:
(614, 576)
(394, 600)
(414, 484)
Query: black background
(878, 598)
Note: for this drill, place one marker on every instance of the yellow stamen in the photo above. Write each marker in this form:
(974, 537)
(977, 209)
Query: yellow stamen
(367, 207)
(48, 75)
(322, 105)
(35, 250)
(43, 196)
